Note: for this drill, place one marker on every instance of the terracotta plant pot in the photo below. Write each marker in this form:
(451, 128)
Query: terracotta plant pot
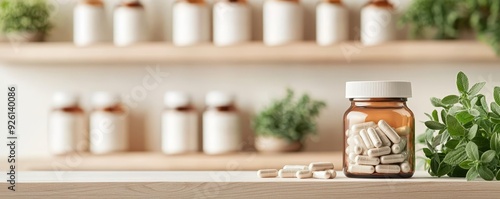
(26, 37)
(275, 145)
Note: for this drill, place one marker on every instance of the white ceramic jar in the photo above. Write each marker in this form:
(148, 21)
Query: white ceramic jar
(283, 22)
(130, 24)
(332, 22)
(108, 124)
(67, 126)
(232, 22)
(221, 124)
(378, 23)
(190, 22)
(179, 124)
(89, 23)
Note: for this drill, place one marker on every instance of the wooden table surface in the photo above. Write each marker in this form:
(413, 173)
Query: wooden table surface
(237, 184)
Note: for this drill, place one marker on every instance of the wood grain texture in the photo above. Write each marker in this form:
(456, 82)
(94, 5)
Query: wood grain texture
(256, 52)
(234, 184)
(151, 161)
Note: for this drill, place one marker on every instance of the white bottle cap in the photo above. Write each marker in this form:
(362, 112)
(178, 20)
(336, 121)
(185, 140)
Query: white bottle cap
(378, 89)
(218, 98)
(64, 99)
(105, 99)
(176, 99)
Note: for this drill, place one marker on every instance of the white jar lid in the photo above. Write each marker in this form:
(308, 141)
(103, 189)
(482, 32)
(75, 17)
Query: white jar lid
(105, 99)
(63, 99)
(378, 89)
(219, 98)
(176, 99)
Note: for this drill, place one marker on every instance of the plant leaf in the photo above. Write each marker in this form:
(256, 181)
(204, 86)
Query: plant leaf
(455, 157)
(495, 108)
(488, 156)
(454, 127)
(467, 164)
(435, 125)
(472, 132)
(452, 144)
(444, 169)
(496, 94)
(450, 100)
(435, 164)
(435, 116)
(436, 102)
(464, 117)
(472, 174)
(472, 151)
(476, 88)
(462, 82)
(485, 173)
(427, 153)
(495, 142)
(443, 116)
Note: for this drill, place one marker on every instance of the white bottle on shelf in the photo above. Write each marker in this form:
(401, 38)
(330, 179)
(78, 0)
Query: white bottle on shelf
(179, 124)
(108, 124)
(232, 22)
(283, 22)
(221, 124)
(190, 22)
(378, 23)
(67, 126)
(89, 23)
(332, 22)
(130, 24)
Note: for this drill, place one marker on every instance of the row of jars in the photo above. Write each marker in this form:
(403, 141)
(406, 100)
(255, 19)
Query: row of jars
(282, 20)
(107, 129)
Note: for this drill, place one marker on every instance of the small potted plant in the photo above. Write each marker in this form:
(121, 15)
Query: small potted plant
(26, 20)
(284, 125)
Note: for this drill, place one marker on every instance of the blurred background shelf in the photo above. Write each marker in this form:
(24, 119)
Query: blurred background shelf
(151, 161)
(304, 52)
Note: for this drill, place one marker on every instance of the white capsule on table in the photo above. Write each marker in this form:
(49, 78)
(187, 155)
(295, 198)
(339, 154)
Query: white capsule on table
(383, 137)
(399, 147)
(366, 160)
(366, 140)
(296, 167)
(333, 173)
(267, 173)
(361, 169)
(389, 132)
(321, 174)
(387, 169)
(303, 174)
(379, 151)
(287, 173)
(374, 138)
(405, 167)
(320, 166)
(390, 159)
(403, 131)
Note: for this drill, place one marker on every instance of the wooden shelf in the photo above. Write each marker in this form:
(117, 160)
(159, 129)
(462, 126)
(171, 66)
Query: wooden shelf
(256, 52)
(238, 184)
(147, 161)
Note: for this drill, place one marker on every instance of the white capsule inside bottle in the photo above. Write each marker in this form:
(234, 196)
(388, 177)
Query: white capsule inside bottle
(379, 151)
(363, 169)
(391, 169)
(405, 167)
(356, 128)
(366, 160)
(366, 140)
(374, 138)
(390, 159)
(389, 132)
(399, 147)
(383, 137)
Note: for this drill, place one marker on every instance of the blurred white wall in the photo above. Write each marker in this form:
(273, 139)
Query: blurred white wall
(254, 84)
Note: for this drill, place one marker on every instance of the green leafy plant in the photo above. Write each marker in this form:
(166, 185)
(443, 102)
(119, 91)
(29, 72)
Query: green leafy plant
(289, 118)
(25, 16)
(447, 18)
(463, 135)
